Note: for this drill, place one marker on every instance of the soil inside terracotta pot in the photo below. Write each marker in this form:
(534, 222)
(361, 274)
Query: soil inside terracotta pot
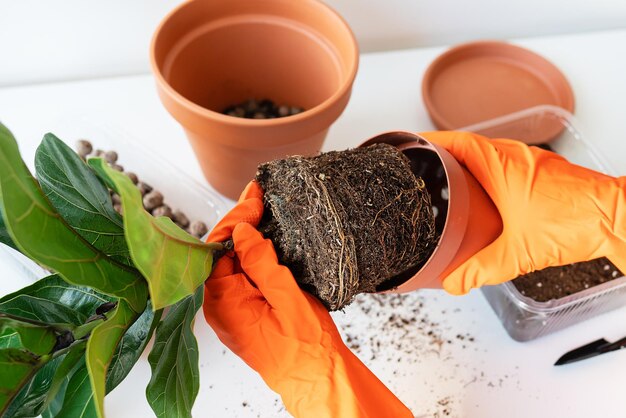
(344, 222)
(558, 282)
(261, 109)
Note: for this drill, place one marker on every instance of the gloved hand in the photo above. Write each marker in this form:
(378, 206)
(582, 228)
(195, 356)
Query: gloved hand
(258, 311)
(553, 212)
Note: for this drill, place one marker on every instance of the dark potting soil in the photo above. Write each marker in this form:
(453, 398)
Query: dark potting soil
(261, 109)
(557, 282)
(344, 222)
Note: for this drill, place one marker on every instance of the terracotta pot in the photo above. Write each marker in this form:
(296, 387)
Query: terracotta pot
(208, 55)
(466, 218)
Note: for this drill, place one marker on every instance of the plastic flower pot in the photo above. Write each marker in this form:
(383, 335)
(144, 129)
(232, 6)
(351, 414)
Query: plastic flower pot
(208, 55)
(466, 218)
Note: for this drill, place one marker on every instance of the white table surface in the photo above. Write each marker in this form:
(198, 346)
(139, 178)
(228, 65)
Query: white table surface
(493, 376)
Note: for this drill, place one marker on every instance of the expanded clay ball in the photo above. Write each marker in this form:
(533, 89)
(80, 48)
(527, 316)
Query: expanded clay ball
(283, 111)
(144, 188)
(162, 210)
(110, 157)
(83, 147)
(152, 200)
(294, 110)
(198, 229)
(181, 219)
(251, 105)
(261, 109)
(132, 176)
(239, 112)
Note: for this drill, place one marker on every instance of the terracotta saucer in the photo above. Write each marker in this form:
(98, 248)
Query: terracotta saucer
(478, 81)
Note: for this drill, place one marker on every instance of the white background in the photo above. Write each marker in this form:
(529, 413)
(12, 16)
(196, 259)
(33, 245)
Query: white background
(43, 40)
(64, 40)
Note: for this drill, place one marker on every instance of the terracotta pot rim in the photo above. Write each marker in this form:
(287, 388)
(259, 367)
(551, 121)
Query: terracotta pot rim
(455, 225)
(443, 124)
(456, 220)
(327, 104)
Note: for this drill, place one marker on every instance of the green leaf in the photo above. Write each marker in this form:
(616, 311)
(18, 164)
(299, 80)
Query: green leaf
(29, 402)
(49, 299)
(80, 198)
(66, 368)
(25, 348)
(42, 234)
(175, 378)
(49, 382)
(5, 238)
(102, 346)
(132, 345)
(9, 339)
(36, 339)
(18, 366)
(57, 403)
(52, 299)
(79, 399)
(126, 355)
(173, 262)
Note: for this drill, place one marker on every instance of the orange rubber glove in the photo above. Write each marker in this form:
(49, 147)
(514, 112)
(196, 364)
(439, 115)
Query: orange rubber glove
(258, 311)
(553, 212)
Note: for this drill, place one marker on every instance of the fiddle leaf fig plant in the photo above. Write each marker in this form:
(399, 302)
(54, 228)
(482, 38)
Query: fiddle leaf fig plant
(156, 241)
(42, 234)
(80, 198)
(70, 338)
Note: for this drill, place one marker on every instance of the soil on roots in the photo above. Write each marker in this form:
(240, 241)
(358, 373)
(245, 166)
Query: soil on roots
(344, 222)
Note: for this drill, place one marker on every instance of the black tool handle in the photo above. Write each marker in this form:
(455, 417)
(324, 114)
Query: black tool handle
(614, 346)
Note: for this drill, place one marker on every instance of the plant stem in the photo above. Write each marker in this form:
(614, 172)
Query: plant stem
(67, 349)
(84, 330)
(49, 357)
(215, 246)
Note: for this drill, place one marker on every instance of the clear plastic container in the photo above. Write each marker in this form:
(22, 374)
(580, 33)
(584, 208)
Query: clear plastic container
(524, 318)
(196, 200)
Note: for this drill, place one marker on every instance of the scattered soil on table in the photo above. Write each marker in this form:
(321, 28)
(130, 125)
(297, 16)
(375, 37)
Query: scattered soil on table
(444, 407)
(419, 343)
(344, 222)
(399, 324)
(424, 349)
(557, 282)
